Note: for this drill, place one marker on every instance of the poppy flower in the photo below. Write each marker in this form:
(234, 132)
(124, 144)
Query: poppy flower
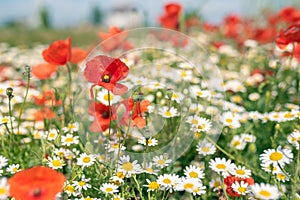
(46, 98)
(102, 116)
(44, 113)
(106, 72)
(289, 35)
(179, 41)
(78, 55)
(37, 183)
(297, 52)
(44, 71)
(229, 180)
(170, 18)
(59, 52)
(264, 35)
(117, 39)
(289, 14)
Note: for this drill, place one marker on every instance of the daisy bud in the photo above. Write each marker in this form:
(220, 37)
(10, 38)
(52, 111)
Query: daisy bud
(9, 93)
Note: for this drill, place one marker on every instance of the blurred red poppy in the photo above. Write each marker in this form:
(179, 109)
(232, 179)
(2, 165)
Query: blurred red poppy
(44, 113)
(106, 72)
(297, 52)
(117, 39)
(289, 35)
(47, 98)
(44, 71)
(78, 55)
(37, 183)
(102, 116)
(170, 19)
(289, 14)
(59, 52)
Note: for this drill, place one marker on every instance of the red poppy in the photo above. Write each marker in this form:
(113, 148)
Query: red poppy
(78, 55)
(297, 52)
(170, 19)
(44, 70)
(232, 26)
(59, 52)
(117, 39)
(179, 40)
(209, 27)
(106, 72)
(289, 35)
(264, 35)
(44, 113)
(46, 98)
(37, 183)
(102, 114)
(229, 180)
(289, 14)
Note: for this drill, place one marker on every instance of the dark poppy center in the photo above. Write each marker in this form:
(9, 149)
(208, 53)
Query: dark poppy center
(106, 78)
(105, 114)
(37, 192)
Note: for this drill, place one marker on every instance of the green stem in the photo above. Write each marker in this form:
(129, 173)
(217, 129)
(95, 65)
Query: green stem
(223, 187)
(70, 89)
(296, 175)
(110, 113)
(10, 116)
(138, 187)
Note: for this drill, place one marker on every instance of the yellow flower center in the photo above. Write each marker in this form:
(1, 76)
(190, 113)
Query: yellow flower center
(51, 135)
(236, 143)
(5, 120)
(188, 186)
(81, 183)
(127, 166)
(71, 126)
(108, 190)
(288, 115)
(276, 156)
(167, 181)
(86, 159)
(242, 189)
(194, 121)
(2, 191)
(193, 174)
(228, 120)
(221, 166)
(56, 163)
(70, 188)
(153, 185)
(201, 126)
(205, 149)
(265, 193)
(217, 184)
(150, 170)
(175, 96)
(240, 172)
(69, 139)
(199, 93)
(168, 113)
(108, 97)
(161, 162)
(114, 146)
(15, 169)
(281, 176)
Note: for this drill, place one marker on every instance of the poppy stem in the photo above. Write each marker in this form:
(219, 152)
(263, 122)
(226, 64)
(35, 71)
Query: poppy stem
(70, 88)
(110, 113)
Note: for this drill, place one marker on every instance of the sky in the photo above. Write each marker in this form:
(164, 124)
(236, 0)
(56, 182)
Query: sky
(65, 13)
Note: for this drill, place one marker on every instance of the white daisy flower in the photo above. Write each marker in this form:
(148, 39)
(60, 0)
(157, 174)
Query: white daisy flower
(221, 166)
(287, 116)
(167, 112)
(38, 134)
(176, 96)
(168, 182)
(293, 138)
(231, 120)
(205, 148)
(248, 138)
(270, 167)
(69, 139)
(240, 187)
(238, 142)
(148, 141)
(152, 185)
(265, 191)
(277, 156)
(4, 189)
(70, 190)
(3, 161)
(255, 115)
(71, 128)
(203, 125)
(149, 169)
(55, 162)
(240, 172)
(161, 161)
(193, 186)
(127, 167)
(86, 160)
(185, 75)
(52, 134)
(280, 176)
(82, 184)
(109, 188)
(13, 168)
(114, 146)
(193, 171)
(197, 92)
(106, 98)
(254, 96)
(6, 119)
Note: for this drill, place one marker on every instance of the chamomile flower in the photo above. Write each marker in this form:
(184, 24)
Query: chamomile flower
(114, 146)
(280, 176)
(192, 171)
(107, 98)
(3, 161)
(238, 142)
(197, 92)
(161, 161)
(39, 134)
(4, 189)
(186, 75)
(270, 167)
(151, 185)
(127, 167)
(176, 96)
(82, 184)
(293, 138)
(240, 172)
(70, 190)
(109, 188)
(265, 191)
(277, 156)
(215, 184)
(148, 141)
(71, 128)
(221, 166)
(205, 148)
(203, 125)
(248, 138)
(6, 119)
(55, 162)
(231, 120)
(168, 182)
(69, 139)
(149, 169)
(13, 168)
(240, 187)
(86, 160)
(167, 112)
(193, 186)
(52, 134)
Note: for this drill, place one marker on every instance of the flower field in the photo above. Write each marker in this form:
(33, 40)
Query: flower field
(190, 110)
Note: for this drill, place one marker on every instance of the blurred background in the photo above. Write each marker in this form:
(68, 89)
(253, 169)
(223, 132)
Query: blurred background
(43, 19)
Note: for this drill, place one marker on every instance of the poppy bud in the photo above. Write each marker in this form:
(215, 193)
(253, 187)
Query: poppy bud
(9, 93)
